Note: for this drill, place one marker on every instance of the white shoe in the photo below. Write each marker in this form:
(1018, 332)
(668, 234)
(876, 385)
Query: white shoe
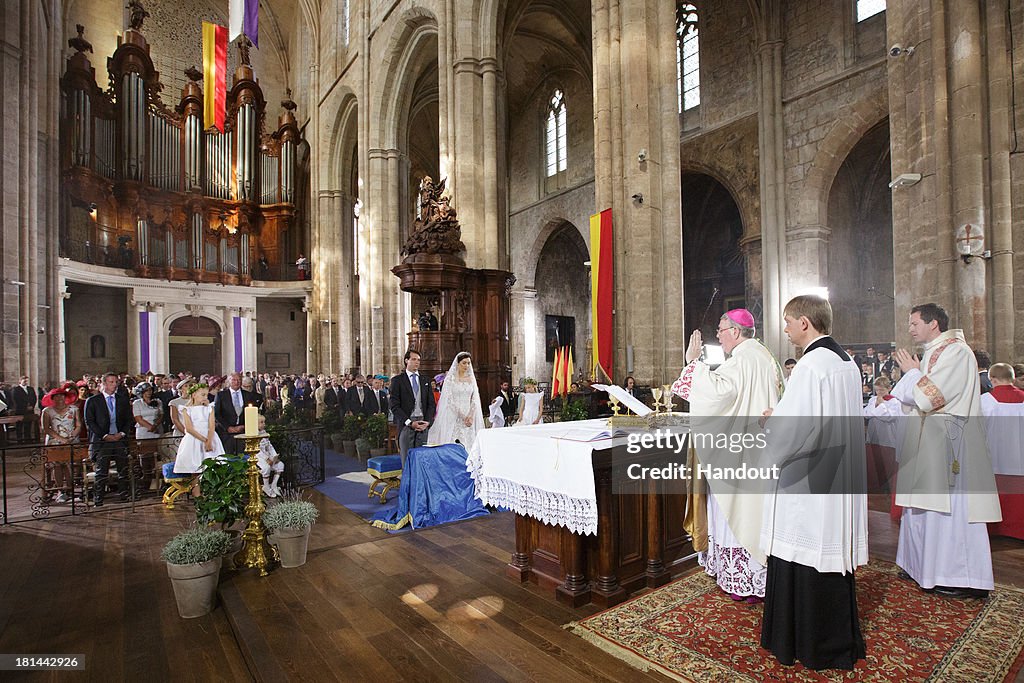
(277, 492)
(267, 490)
(59, 498)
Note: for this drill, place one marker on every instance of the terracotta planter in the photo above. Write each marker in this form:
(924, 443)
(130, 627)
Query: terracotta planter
(292, 544)
(350, 449)
(195, 586)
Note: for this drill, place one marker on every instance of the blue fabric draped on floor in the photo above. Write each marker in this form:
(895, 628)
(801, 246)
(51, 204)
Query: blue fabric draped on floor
(436, 488)
(347, 483)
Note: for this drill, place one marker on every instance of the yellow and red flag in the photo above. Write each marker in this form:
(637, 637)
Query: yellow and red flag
(602, 293)
(215, 68)
(556, 374)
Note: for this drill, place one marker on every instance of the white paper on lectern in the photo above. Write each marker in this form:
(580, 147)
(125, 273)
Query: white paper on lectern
(625, 398)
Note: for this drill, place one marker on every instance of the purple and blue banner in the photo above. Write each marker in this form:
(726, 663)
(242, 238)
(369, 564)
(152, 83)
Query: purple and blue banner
(243, 17)
(241, 333)
(147, 341)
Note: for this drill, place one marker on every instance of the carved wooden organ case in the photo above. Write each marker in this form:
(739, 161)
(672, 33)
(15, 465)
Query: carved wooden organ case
(146, 188)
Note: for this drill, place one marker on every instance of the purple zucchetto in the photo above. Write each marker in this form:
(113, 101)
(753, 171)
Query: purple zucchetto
(741, 317)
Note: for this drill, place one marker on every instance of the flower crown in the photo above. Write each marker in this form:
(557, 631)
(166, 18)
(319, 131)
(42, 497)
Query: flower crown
(196, 387)
(529, 380)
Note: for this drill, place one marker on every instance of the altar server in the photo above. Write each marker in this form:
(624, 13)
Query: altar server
(1003, 408)
(734, 396)
(815, 540)
(943, 540)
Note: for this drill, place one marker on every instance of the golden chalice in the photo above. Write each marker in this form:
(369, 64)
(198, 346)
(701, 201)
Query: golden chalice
(656, 392)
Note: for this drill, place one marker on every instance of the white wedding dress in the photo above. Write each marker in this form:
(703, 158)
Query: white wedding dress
(459, 398)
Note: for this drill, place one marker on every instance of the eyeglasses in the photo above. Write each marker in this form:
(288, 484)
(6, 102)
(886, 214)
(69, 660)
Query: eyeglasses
(723, 329)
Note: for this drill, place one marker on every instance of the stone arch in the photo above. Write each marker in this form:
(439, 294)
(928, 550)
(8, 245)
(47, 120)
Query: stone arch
(833, 150)
(744, 194)
(403, 62)
(343, 134)
(528, 267)
(170, 319)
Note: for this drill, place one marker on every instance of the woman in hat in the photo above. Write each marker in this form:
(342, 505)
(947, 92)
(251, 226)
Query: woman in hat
(60, 423)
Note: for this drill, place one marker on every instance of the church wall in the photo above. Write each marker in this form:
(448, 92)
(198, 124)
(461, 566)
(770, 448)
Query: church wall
(1017, 175)
(728, 87)
(526, 151)
(94, 310)
(282, 335)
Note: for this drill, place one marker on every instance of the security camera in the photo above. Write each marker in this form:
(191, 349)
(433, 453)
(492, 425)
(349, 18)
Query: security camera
(642, 156)
(638, 198)
(896, 50)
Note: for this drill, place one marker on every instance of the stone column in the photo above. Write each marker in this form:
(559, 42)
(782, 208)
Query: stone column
(635, 107)
(771, 138)
(524, 346)
(950, 123)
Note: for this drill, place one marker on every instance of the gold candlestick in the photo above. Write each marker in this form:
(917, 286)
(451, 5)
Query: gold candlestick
(256, 551)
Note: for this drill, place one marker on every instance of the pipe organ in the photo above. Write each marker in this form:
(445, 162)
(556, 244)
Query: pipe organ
(147, 183)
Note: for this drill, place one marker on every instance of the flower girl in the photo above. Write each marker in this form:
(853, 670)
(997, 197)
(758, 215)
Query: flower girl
(200, 440)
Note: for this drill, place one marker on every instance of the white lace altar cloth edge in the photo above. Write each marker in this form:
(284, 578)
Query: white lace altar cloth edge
(532, 471)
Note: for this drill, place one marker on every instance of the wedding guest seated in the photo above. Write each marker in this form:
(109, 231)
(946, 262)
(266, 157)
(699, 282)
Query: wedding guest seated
(1003, 408)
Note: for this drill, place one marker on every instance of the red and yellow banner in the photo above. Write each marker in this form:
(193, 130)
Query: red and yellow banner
(556, 374)
(215, 67)
(561, 373)
(602, 294)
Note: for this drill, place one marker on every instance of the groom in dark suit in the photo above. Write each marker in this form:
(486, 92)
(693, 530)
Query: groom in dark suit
(412, 405)
(229, 412)
(108, 416)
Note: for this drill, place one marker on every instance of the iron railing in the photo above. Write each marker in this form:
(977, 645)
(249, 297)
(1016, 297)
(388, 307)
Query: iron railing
(40, 482)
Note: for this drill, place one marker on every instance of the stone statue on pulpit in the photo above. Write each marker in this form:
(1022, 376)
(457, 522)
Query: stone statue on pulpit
(436, 228)
(136, 14)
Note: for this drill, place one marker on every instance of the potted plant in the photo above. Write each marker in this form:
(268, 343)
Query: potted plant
(573, 410)
(223, 488)
(289, 522)
(331, 424)
(193, 560)
(351, 429)
(376, 432)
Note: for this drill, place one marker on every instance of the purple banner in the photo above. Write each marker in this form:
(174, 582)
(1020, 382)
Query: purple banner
(144, 342)
(250, 24)
(238, 343)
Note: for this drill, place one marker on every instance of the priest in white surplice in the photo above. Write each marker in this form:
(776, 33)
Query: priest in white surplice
(815, 540)
(945, 482)
(749, 382)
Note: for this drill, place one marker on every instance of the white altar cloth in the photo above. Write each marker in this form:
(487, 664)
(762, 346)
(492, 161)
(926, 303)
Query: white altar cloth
(537, 470)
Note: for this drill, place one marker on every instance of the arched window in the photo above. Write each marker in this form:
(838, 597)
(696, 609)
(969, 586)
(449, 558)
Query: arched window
(555, 137)
(687, 56)
(869, 8)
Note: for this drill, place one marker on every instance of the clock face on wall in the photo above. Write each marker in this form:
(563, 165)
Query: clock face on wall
(970, 240)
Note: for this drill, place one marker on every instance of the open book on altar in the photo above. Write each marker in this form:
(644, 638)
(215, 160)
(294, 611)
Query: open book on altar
(631, 402)
(591, 434)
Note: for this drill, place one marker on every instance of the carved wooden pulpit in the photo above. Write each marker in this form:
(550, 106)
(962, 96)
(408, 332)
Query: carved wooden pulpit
(473, 303)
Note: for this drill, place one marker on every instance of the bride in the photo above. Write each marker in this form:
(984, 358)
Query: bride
(459, 414)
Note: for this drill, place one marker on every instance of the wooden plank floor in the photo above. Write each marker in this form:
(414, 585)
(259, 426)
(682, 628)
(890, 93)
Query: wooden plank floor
(429, 605)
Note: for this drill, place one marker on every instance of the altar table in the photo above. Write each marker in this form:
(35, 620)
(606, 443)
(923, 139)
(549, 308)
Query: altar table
(639, 540)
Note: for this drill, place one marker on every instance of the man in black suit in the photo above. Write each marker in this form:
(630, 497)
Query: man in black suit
(25, 401)
(332, 395)
(362, 400)
(108, 416)
(165, 396)
(412, 405)
(508, 403)
(229, 413)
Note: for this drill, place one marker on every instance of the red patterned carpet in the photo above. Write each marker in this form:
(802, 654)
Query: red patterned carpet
(691, 631)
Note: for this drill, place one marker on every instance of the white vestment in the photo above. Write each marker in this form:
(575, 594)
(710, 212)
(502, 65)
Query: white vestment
(820, 413)
(943, 536)
(1004, 431)
(749, 382)
(882, 419)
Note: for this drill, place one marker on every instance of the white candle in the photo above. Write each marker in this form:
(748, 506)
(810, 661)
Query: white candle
(252, 421)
